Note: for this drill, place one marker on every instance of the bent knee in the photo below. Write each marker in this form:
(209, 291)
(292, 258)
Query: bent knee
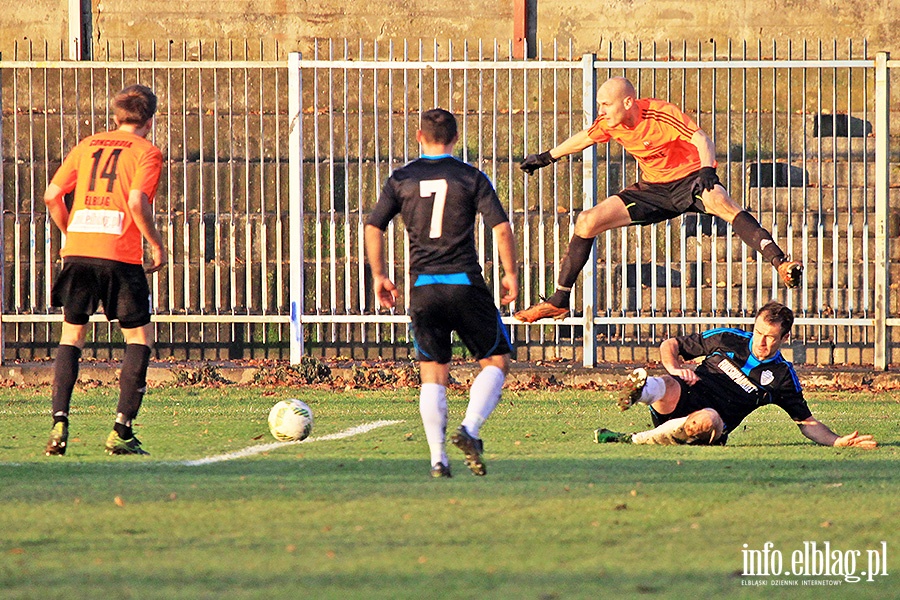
(501, 361)
(717, 202)
(704, 426)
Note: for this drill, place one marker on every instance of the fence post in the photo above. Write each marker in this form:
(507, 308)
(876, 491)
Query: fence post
(2, 230)
(295, 203)
(589, 199)
(882, 202)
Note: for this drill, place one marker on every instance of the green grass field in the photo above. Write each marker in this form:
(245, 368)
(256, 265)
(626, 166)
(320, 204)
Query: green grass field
(556, 517)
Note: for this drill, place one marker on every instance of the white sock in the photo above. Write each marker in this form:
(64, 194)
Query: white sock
(433, 408)
(654, 389)
(669, 433)
(483, 398)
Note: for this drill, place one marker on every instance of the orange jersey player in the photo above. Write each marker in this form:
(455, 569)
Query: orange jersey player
(114, 176)
(678, 175)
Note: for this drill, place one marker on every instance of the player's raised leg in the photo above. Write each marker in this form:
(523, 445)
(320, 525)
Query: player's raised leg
(608, 214)
(718, 202)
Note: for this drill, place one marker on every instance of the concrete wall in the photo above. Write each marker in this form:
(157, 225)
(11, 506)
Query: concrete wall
(589, 26)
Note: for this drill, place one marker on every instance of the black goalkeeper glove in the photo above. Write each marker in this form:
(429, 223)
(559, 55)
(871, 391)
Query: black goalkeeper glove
(533, 162)
(706, 180)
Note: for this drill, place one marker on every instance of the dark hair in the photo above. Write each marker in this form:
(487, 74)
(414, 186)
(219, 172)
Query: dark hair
(778, 314)
(439, 126)
(135, 105)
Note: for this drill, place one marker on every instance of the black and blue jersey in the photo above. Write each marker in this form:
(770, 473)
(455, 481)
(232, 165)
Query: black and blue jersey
(734, 382)
(439, 198)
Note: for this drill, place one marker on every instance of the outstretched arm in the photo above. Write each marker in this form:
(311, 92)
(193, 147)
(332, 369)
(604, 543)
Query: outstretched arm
(384, 288)
(821, 434)
(576, 143)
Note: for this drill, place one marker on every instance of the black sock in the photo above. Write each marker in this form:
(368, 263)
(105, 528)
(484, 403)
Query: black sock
(751, 233)
(577, 255)
(133, 380)
(65, 374)
(124, 431)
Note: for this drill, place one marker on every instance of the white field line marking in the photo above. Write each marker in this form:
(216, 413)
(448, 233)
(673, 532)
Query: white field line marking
(252, 450)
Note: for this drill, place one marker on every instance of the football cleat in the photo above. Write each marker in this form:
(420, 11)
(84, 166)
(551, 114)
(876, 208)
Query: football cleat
(472, 447)
(440, 470)
(59, 438)
(791, 272)
(116, 445)
(541, 310)
(636, 381)
(605, 436)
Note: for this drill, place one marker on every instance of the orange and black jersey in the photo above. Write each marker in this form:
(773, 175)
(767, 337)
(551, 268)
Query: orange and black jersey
(439, 198)
(660, 141)
(102, 170)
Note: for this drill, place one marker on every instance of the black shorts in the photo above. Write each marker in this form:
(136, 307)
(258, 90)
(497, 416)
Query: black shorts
(657, 202)
(689, 401)
(465, 306)
(86, 283)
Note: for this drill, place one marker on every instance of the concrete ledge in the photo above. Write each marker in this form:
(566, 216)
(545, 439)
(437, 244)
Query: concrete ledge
(563, 374)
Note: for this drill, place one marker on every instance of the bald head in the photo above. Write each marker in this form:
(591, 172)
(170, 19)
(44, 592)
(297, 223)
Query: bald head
(617, 88)
(615, 102)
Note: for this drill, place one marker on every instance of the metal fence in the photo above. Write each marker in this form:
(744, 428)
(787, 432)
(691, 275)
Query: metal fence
(271, 167)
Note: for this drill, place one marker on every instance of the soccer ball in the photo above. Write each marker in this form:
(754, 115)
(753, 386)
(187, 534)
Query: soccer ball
(290, 420)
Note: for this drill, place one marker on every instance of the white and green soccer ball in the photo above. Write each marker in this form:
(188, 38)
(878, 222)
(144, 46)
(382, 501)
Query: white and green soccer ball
(290, 420)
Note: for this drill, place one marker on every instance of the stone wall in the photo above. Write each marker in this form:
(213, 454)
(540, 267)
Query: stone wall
(588, 26)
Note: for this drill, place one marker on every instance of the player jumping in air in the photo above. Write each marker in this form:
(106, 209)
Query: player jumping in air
(678, 175)
(439, 197)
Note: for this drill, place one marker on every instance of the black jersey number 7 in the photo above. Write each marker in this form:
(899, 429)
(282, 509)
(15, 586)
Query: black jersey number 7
(438, 189)
(108, 172)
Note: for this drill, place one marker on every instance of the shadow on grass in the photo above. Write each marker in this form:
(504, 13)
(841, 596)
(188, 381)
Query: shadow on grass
(612, 468)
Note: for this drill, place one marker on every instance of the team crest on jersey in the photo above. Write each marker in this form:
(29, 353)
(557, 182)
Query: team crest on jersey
(766, 378)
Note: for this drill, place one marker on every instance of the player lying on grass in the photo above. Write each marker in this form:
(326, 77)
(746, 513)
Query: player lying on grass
(740, 372)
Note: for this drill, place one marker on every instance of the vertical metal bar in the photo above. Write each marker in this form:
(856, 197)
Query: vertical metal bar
(263, 209)
(348, 238)
(186, 223)
(850, 281)
(76, 30)
(820, 220)
(48, 222)
(249, 219)
(279, 209)
(729, 233)
(295, 202)
(332, 211)
(32, 225)
(866, 259)
(541, 235)
(835, 227)
(17, 222)
(359, 198)
(804, 239)
(589, 199)
(2, 232)
(882, 201)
